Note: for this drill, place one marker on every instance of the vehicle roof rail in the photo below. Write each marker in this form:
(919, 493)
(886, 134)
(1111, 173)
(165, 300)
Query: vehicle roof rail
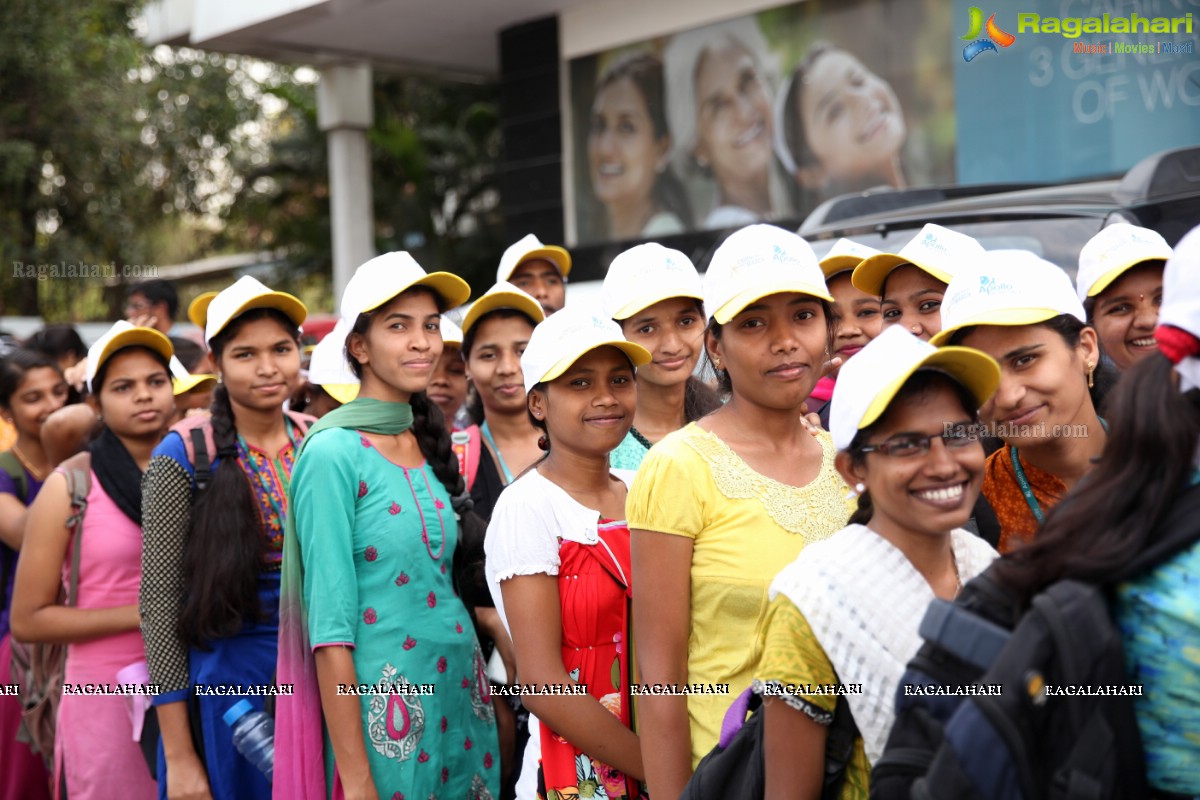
(1163, 175)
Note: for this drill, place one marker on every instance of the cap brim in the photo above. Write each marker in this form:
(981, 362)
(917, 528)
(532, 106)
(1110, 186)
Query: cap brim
(342, 392)
(198, 309)
(637, 354)
(1011, 317)
(736, 304)
(495, 300)
(834, 265)
(137, 337)
(290, 305)
(200, 381)
(453, 290)
(1106, 280)
(974, 369)
(555, 255)
(872, 273)
(634, 306)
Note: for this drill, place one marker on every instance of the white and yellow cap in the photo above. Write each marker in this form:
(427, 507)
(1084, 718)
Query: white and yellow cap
(1007, 287)
(244, 295)
(503, 295)
(451, 333)
(1181, 301)
(938, 251)
(648, 274)
(845, 255)
(528, 248)
(566, 337)
(183, 381)
(1112, 252)
(120, 336)
(756, 262)
(329, 368)
(869, 382)
(377, 281)
(198, 309)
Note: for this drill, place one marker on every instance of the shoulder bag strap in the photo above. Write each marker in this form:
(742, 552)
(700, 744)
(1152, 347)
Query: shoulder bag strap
(79, 483)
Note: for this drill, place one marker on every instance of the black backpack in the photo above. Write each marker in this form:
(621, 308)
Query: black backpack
(734, 769)
(974, 717)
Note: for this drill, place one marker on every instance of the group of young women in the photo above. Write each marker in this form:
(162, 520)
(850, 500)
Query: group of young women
(643, 527)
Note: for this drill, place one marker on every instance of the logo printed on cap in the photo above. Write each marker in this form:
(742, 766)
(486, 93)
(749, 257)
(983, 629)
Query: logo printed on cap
(990, 286)
(931, 241)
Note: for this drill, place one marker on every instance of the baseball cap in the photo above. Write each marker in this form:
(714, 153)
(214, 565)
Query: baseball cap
(566, 337)
(197, 311)
(755, 262)
(120, 336)
(647, 274)
(503, 295)
(1112, 251)
(379, 280)
(530, 247)
(938, 251)
(1007, 287)
(329, 368)
(183, 381)
(247, 293)
(845, 254)
(1181, 301)
(869, 382)
(451, 333)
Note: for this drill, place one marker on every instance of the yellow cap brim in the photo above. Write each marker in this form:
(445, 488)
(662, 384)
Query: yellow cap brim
(1009, 317)
(490, 302)
(198, 382)
(290, 305)
(872, 273)
(453, 290)
(342, 392)
(555, 255)
(136, 337)
(834, 265)
(1106, 280)
(736, 304)
(198, 309)
(634, 306)
(637, 354)
(974, 369)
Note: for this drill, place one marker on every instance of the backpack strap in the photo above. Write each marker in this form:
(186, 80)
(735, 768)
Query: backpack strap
(839, 748)
(78, 471)
(11, 464)
(467, 445)
(198, 451)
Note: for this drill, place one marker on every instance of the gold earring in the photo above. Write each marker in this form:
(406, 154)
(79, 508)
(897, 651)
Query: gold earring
(1091, 375)
(716, 363)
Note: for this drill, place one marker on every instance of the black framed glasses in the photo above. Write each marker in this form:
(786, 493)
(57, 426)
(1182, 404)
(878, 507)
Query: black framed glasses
(910, 445)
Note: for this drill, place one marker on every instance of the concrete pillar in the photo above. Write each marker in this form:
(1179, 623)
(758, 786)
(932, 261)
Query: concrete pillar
(344, 112)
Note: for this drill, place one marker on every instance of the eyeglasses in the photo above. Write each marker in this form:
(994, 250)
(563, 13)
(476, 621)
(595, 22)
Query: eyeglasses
(915, 445)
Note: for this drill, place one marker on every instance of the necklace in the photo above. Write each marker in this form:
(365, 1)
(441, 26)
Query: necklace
(37, 475)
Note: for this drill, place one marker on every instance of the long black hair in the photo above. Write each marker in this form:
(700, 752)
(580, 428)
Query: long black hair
(225, 551)
(1095, 532)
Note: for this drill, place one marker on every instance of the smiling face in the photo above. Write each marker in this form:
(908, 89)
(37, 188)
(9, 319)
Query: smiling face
(623, 152)
(850, 117)
(541, 280)
(733, 115)
(774, 350)
(1043, 382)
(589, 408)
(494, 363)
(673, 332)
(926, 493)
(135, 399)
(912, 298)
(1125, 314)
(856, 317)
(448, 386)
(39, 393)
(402, 342)
(260, 365)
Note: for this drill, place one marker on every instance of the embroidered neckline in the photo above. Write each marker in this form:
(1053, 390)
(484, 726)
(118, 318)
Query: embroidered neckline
(642, 440)
(804, 510)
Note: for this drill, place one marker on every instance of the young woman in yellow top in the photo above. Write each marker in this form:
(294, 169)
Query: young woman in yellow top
(721, 505)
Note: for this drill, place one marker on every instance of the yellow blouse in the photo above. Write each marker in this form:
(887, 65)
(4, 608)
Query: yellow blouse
(745, 527)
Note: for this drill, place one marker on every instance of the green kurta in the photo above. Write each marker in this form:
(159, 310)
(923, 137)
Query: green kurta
(378, 541)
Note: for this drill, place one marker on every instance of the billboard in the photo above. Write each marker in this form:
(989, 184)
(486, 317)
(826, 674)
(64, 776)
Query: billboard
(764, 116)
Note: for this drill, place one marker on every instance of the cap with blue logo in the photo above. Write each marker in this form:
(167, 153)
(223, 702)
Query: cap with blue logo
(566, 337)
(1112, 252)
(756, 262)
(937, 251)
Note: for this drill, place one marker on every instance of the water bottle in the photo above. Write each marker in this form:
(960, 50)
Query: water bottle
(253, 735)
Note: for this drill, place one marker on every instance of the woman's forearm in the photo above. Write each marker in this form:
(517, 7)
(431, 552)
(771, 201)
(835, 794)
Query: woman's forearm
(59, 624)
(666, 744)
(343, 712)
(589, 726)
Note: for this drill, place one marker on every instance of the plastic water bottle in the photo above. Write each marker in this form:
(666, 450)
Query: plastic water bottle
(253, 735)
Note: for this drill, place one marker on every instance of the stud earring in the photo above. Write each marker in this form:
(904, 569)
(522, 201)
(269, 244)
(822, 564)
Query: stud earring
(860, 487)
(716, 363)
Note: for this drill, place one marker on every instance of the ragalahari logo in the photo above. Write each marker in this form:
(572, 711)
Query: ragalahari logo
(995, 36)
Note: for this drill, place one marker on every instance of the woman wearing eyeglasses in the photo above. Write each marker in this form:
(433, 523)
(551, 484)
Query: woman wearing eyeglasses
(846, 611)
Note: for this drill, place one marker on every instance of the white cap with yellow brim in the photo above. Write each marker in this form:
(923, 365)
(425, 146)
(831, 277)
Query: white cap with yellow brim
(451, 333)
(1007, 287)
(329, 368)
(869, 382)
(528, 248)
(756, 262)
(647, 274)
(502, 295)
(938, 251)
(183, 381)
(566, 337)
(377, 281)
(845, 256)
(1112, 252)
(118, 337)
(197, 311)
(244, 295)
